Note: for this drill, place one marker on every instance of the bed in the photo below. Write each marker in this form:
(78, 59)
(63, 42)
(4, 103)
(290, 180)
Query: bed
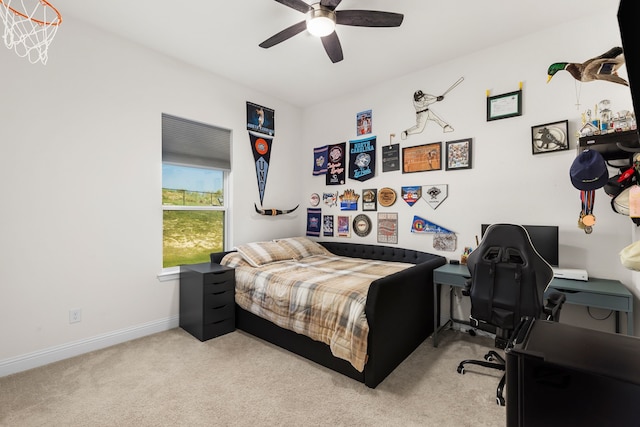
(397, 307)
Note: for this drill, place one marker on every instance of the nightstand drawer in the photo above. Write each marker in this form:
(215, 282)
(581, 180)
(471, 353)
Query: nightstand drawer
(216, 329)
(217, 287)
(217, 297)
(218, 277)
(218, 311)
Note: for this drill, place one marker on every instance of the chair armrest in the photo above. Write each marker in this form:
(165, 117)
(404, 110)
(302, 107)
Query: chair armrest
(553, 305)
(466, 291)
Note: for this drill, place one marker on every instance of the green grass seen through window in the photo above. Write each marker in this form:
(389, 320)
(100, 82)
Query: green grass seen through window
(190, 236)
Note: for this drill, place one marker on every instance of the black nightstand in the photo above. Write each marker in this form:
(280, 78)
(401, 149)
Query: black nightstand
(207, 300)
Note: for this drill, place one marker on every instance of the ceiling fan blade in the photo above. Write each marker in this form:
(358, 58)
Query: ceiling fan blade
(298, 5)
(331, 4)
(368, 18)
(332, 45)
(285, 34)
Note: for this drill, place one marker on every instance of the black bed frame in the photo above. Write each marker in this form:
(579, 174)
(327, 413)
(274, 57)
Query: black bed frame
(399, 310)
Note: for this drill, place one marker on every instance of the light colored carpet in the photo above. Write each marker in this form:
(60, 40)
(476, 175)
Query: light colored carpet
(172, 379)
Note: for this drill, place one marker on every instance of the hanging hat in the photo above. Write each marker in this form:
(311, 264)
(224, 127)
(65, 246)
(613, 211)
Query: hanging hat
(589, 171)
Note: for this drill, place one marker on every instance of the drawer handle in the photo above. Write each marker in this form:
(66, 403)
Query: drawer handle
(219, 293)
(219, 307)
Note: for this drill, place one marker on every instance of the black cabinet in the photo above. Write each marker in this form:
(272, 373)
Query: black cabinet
(207, 300)
(563, 375)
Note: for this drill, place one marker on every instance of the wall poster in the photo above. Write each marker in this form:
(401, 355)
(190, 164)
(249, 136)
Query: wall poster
(388, 227)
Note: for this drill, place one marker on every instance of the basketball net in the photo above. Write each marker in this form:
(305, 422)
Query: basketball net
(29, 27)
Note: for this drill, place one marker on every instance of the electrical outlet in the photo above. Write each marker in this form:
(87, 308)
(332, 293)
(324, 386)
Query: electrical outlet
(75, 315)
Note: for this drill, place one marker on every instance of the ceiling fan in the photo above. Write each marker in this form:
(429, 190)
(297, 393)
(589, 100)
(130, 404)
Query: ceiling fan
(322, 19)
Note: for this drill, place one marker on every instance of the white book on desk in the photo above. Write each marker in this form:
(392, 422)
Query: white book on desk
(570, 273)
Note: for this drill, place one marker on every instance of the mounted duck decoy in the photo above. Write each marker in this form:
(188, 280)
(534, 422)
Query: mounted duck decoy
(603, 67)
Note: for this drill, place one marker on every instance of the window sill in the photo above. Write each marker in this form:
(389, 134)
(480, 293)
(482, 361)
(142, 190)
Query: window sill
(167, 274)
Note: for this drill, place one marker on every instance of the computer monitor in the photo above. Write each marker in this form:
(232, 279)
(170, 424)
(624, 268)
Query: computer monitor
(544, 238)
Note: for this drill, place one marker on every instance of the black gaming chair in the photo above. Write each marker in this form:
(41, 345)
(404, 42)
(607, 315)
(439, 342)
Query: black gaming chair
(508, 280)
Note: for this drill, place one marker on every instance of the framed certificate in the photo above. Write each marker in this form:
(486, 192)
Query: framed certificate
(504, 106)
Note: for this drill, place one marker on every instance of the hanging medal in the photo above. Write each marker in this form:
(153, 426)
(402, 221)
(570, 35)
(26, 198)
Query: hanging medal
(587, 219)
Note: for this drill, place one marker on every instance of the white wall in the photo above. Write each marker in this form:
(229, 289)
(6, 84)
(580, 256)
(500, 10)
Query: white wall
(507, 183)
(80, 178)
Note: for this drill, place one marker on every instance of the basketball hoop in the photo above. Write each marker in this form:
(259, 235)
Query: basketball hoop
(29, 27)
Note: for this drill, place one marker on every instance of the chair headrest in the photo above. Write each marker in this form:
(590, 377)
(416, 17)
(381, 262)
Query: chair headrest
(510, 243)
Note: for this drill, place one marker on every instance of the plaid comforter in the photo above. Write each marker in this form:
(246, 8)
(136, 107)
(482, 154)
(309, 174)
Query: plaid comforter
(322, 297)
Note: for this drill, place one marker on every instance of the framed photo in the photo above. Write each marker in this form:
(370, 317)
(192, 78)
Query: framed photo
(504, 106)
(458, 154)
(261, 119)
(550, 137)
(422, 158)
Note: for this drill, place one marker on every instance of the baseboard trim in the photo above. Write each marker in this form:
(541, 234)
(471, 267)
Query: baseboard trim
(65, 351)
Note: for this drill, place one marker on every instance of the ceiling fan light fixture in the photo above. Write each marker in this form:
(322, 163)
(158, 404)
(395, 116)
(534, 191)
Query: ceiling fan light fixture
(321, 22)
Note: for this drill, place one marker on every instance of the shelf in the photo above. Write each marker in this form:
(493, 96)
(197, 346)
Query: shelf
(612, 146)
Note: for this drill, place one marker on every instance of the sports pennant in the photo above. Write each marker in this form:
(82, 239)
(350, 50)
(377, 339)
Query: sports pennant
(411, 194)
(336, 164)
(261, 146)
(435, 194)
(421, 225)
(349, 200)
(314, 220)
(320, 160)
(362, 159)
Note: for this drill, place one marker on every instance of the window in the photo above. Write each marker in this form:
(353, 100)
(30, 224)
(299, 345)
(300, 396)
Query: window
(195, 161)
(193, 214)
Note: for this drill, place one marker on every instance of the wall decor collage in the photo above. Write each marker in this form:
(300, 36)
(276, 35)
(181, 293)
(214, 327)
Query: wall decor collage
(356, 160)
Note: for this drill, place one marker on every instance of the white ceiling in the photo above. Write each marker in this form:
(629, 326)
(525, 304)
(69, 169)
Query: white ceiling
(223, 37)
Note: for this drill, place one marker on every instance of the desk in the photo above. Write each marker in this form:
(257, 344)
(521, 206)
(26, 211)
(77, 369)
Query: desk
(597, 293)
